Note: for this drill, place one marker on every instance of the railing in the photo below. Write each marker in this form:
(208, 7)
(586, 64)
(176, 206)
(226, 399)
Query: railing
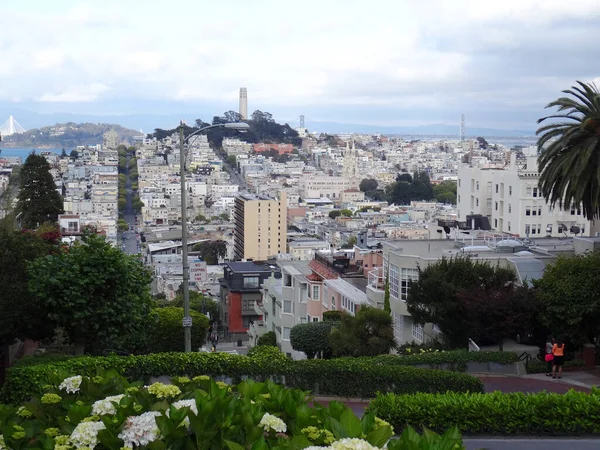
(526, 358)
(376, 280)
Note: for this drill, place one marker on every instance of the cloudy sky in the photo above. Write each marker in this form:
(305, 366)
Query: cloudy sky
(392, 62)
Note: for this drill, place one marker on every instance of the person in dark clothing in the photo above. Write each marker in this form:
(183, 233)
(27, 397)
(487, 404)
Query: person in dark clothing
(549, 357)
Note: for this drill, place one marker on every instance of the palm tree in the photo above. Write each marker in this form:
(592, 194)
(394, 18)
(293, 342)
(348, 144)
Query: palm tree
(569, 151)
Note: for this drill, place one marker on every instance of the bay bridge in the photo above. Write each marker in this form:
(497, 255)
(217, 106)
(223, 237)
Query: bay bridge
(11, 126)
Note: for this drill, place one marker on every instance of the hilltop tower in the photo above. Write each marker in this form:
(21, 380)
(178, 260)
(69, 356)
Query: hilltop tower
(244, 103)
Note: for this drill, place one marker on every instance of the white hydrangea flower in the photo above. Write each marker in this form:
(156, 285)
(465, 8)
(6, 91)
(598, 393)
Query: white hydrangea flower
(140, 430)
(71, 384)
(85, 434)
(271, 422)
(182, 404)
(105, 406)
(352, 444)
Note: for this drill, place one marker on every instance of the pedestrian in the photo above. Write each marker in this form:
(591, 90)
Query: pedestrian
(214, 338)
(549, 357)
(558, 351)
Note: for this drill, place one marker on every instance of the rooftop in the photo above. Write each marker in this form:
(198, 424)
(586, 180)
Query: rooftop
(252, 267)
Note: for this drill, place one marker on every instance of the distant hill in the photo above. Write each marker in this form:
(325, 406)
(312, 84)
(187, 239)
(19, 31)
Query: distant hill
(67, 135)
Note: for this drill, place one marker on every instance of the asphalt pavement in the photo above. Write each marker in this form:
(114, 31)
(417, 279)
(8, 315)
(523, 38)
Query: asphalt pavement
(130, 243)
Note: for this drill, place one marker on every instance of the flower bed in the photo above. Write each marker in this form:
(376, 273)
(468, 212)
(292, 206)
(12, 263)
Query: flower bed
(574, 413)
(107, 412)
(349, 377)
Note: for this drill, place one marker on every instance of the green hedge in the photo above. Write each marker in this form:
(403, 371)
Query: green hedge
(357, 377)
(574, 413)
(455, 359)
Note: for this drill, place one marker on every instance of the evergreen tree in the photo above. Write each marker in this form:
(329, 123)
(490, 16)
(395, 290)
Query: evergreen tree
(38, 199)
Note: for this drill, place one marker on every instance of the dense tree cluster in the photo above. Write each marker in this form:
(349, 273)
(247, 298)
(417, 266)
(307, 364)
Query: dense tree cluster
(263, 128)
(445, 192)
(211, 251)
(408, 188)
(38, 198)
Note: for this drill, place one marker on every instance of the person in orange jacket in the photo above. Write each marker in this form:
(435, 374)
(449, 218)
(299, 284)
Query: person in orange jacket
(558, 350)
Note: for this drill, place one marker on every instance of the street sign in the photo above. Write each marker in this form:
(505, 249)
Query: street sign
(198, 271)
(187, 322)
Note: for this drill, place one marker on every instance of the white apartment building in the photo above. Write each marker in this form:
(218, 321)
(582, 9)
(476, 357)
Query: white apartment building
(236, 147)
(511, 200)
(284, 305)
(304, 250)
(401, 260)
(319, 186)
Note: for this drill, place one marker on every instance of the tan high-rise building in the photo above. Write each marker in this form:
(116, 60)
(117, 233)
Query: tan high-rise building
(260, 226)
(244, 103)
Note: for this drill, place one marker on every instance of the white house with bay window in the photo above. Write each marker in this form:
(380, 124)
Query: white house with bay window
(401, 260)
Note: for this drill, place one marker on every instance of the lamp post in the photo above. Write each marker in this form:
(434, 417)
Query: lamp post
(187, 320)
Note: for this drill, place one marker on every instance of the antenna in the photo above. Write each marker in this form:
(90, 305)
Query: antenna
(462, 127)
(302, 121)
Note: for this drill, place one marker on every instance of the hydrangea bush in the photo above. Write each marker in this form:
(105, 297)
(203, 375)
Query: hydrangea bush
(108, 412)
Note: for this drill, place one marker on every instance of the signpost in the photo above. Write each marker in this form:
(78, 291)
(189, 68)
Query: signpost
(187, 322)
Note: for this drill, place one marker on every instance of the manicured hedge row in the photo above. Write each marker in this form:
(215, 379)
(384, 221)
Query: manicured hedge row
(345, 377)
(540, 367)
(574, 413)
(456, 359)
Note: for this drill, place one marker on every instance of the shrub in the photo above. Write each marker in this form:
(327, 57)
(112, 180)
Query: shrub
(166, 334)
(107, 411)
(333, 316)
(456, 360)
(574, 413)
(312, 339)
(266, 352)
(540, 367)
(268, 338)
(357, 377)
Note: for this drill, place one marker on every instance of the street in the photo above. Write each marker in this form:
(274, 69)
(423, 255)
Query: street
(130, 243)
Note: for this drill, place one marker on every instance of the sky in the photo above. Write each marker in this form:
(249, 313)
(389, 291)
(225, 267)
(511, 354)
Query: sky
(376, 62)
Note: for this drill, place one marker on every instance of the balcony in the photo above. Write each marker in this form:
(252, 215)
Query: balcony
(259, 308)
(340, 265)
(257, 329)
(376, 280)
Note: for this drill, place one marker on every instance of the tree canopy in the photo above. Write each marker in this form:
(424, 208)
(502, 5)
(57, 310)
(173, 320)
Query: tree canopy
(211, 251)
(435, 296)
(569, 151)
(567, 297)
(368, 184)
(408, 188)
(38, 199)
(445, 192)
(369, 333)
(97, 293)
(165, 332)
(312, 339)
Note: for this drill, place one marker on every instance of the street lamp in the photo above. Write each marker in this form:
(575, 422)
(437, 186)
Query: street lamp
(187, 320)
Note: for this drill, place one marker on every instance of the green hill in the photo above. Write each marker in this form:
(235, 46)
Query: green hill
(67, 135)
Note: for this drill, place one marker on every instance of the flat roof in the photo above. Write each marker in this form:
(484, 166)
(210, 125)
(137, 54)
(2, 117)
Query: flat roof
(252, 267)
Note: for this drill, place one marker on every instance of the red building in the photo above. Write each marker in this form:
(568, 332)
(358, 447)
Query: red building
(281, 148)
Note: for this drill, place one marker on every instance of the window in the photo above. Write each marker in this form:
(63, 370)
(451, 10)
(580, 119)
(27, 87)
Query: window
(417, 332)
(578, 211)
(73, 226)
(509, 208)
(459, 199)
(528, 192)
(398, 326)
(477, 202)
(527, 211)
(539, 228)
(251, 282)
(496, 189)
(535, 192)
(495, 223)
(287, 280)
(315, 319)
(286, 333)
(534, 212)
(572, 210)
(394, 272)
(407, 276)
(333, 302)
(478, 185)
(508, 226)
(496, 206)
(315, 292)
(287, 306)
(510, 190)
(527, 229)
(247, 305)
(549, 228)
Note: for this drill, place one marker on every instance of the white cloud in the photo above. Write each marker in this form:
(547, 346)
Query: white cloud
(340, 52)
(76, 94)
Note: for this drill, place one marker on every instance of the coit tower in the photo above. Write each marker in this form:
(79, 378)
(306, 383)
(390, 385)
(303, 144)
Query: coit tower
(244, 103)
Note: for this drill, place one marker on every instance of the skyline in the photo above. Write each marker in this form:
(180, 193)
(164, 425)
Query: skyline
(387, 64)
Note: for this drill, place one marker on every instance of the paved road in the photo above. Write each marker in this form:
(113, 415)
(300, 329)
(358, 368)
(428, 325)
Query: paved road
(130, 242)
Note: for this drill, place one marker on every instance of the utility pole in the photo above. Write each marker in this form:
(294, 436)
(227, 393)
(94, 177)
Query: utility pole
(187, 320)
